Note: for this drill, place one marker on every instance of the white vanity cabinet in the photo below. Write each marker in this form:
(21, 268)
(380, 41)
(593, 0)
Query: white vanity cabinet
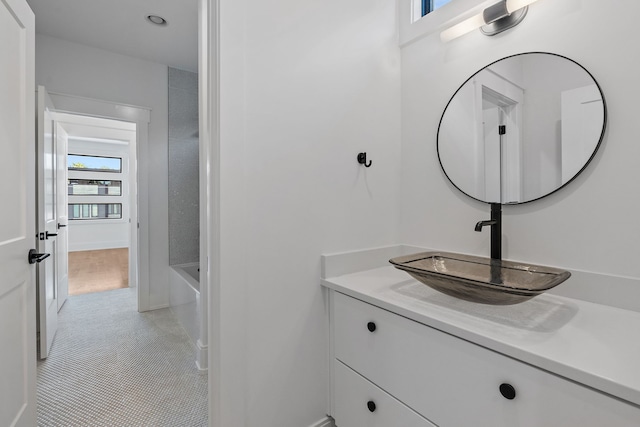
(411, 375)
(359, 402)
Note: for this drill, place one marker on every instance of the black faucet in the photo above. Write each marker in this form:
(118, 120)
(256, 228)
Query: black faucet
(496, 230)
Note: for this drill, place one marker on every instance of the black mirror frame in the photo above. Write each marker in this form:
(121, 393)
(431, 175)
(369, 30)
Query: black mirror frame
(595, 150)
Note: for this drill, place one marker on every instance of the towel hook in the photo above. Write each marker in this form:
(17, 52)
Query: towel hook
(362, 159)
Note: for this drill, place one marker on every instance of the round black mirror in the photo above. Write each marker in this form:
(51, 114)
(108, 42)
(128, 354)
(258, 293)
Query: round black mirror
(521, 128)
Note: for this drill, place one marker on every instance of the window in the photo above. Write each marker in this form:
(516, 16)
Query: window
(93, 194)
(79, 162)
(93, 187)
(431, 5)
(95, 210)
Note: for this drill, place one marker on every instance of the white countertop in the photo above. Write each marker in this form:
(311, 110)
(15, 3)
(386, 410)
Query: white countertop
(592, 344)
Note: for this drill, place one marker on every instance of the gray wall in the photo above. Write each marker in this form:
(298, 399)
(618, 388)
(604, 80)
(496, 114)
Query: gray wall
(184, 226)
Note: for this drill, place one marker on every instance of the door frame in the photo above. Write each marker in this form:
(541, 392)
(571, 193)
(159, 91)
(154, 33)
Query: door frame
(139, 231)
(47, 217)
(210, 286)
(62, 256)
(510, 97)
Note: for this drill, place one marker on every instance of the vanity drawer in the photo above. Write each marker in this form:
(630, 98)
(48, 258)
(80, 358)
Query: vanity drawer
(359, 403)
(454, 383)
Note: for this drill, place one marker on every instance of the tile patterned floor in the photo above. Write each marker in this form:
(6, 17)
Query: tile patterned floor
(112, 366)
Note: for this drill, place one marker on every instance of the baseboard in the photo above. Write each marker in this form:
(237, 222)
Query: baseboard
(96, 246)
(202, 356)
(325, 422)
(155, 307)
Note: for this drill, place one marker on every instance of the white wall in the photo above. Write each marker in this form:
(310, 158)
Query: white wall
(305, 86)
(86, 235)
(589, 225)
(543, 159)
(80, 70)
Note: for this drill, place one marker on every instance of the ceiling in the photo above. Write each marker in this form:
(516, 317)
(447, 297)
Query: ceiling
(120, 26)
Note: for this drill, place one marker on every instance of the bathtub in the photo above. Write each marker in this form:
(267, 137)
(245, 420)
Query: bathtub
(186, 304)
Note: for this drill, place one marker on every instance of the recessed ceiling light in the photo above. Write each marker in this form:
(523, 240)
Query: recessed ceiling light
(155, 19)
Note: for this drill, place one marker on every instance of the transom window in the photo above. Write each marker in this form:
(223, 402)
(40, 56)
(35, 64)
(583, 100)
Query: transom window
(431, 5)
(81, 162)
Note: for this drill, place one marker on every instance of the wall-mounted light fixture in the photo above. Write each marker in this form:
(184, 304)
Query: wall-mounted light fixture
(493, 20)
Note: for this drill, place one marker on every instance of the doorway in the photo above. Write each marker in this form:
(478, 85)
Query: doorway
(87, 187)
(499, 103)
(101, 187)
(95, 362)
(97, 124)
(104, 128)
(500, 136)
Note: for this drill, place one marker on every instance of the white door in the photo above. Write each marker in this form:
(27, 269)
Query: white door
(47, 224)
(17, 216)
(62, 239)
(502, 163)
(492, 153)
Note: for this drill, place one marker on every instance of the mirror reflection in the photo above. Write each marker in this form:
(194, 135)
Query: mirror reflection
(521, 128)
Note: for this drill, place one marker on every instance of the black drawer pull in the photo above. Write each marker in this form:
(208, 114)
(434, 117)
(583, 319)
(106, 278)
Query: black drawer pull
(371, 326)
(508, 391)
(371, 405)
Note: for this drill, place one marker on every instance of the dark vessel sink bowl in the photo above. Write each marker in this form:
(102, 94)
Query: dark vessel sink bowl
(478, 279)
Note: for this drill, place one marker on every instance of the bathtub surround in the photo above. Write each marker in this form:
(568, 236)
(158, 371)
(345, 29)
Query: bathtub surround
(184, 210)
(184, 230)
(185, 299)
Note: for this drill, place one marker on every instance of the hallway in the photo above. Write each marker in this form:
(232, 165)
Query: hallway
(112, 366)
